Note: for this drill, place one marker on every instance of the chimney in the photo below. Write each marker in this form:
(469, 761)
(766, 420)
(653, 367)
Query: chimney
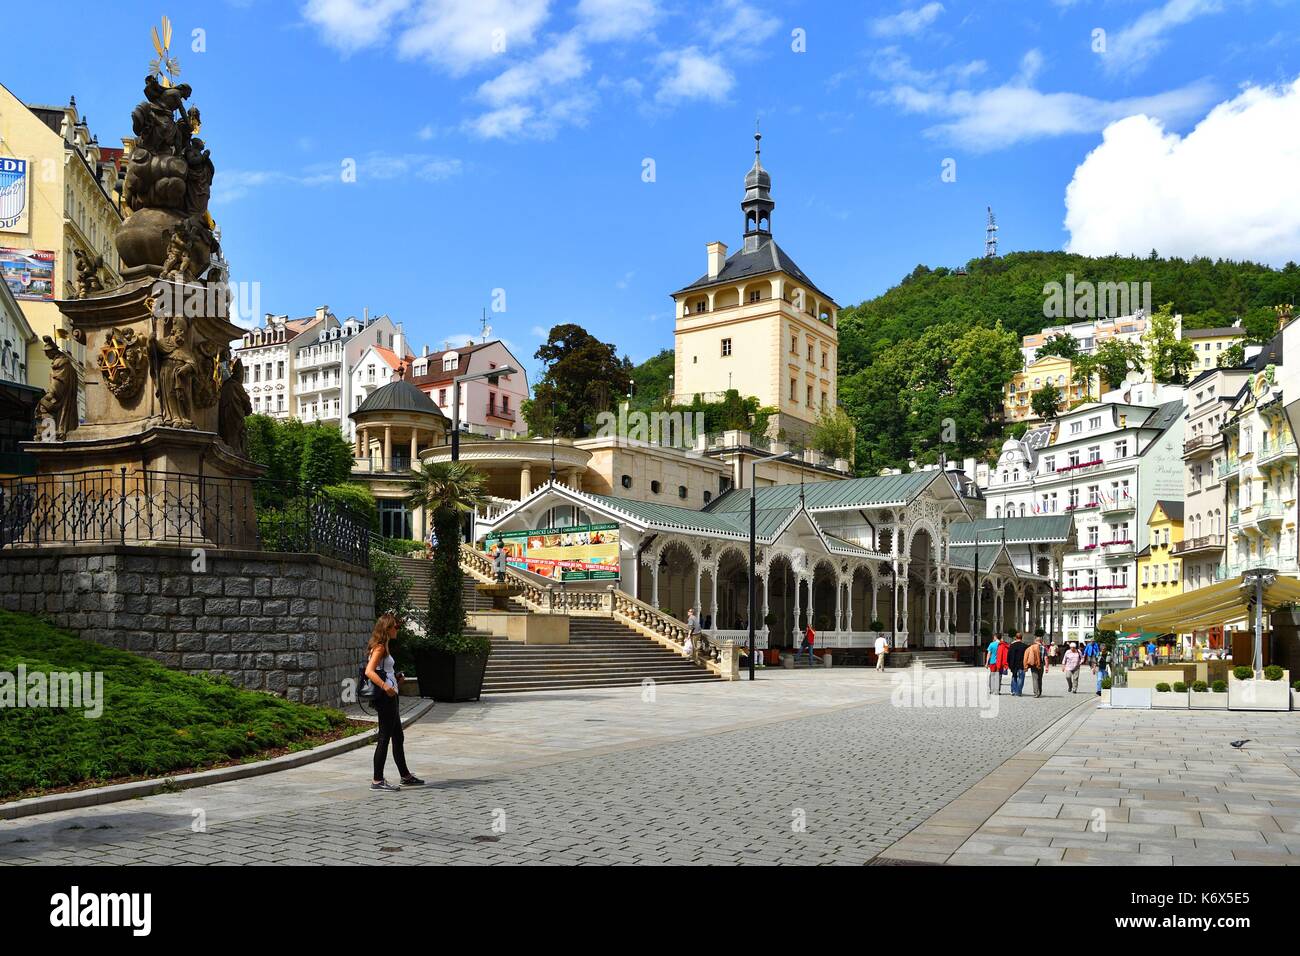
(717, 257)
(321, 312)
(399, 343)
(425, 352)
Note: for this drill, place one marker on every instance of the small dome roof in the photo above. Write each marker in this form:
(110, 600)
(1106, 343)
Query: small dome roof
(399, 396)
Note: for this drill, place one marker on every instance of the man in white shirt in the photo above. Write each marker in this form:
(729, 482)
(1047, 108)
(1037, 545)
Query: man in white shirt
(882, 648)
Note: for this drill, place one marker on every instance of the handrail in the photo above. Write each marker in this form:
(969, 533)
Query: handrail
(545, 599)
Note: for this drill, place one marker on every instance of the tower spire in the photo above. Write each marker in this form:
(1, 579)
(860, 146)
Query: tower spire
(991, 236)
(757, 204)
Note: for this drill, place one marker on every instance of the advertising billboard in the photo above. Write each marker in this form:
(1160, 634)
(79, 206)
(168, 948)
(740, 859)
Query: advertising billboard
(587, 552)
(15, 192)
(29, 273)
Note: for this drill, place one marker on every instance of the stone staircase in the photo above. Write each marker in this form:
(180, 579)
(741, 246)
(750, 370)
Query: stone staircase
(932, 658)
(602, 652)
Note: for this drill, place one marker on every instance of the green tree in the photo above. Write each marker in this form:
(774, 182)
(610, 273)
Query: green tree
(1046, 402)
(1233, 356)
(651, 381)
(447, 491)
(834, 434)
(1082, 371)
(1169, 357)
(326, 458)
(1115, 358)
(1064, 345)
(583, 378)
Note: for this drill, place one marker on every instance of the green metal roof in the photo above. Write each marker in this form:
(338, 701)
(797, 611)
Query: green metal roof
(965, 558)
(837, 495)
(767, 521)
(1036, 530)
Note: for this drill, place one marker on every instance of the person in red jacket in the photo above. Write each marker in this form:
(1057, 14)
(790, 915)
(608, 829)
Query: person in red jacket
(996, 661)
(809, 636)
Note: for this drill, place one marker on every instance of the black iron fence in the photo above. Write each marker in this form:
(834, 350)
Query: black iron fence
(144, 506)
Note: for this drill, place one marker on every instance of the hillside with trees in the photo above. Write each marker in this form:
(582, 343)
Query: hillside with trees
(923, 366)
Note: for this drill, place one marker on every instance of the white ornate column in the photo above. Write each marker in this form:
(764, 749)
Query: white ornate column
(839, 605)
(713, 593)
(654, 582)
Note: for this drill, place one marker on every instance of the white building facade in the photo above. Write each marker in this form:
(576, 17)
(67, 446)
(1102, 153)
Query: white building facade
(1105, 463)
(325, 364)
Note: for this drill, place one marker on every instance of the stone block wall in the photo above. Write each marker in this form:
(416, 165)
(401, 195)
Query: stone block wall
(292, 624)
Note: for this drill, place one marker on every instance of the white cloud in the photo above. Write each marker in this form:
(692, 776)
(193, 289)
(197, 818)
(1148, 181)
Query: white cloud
(1227, 189)
(604, 20)
(230, 185)
(906, 22)
(742, 25)
(354, 24)
(692, 75)
(1129, 50)
(1016, 112)
(560, 64)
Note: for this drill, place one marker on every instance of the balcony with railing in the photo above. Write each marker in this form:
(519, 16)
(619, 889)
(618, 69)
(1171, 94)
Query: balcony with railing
(1200, 444)
(1118, 503)
(499, 413)
(1228, 467)
(1206, 542)
(1275, 451)
(378, 465)
(1119, 548)
(1276, 563)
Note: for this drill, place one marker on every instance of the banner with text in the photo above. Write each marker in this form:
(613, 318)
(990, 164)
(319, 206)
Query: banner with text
(587, 552)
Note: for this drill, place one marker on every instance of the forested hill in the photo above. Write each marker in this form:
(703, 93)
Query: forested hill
(923, 367)
(1010, 289)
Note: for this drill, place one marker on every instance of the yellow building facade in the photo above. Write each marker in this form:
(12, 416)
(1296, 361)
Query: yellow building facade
(1017, 403)
(1209, 344)
(1159, 570)
(61, 195)
(756, 323)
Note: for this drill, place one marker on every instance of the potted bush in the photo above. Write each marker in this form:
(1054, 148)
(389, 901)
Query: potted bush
(1170, 698)
(1205, 698)
(450, 660)
(1270, 691)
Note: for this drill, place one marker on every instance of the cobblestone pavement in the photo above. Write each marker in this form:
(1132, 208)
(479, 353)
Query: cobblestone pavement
(799, 767)
(1155, 788)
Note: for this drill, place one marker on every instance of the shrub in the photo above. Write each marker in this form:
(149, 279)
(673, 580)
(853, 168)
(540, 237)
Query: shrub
(1180, 687)
(357, 498)
(1199, 686)
(1273, 672)
(1295, 685)
(1220, 686)
(1039, 632)
(878, 626)
(1243, 672)
(1162, 688)
(1106, 683)
(401, 546)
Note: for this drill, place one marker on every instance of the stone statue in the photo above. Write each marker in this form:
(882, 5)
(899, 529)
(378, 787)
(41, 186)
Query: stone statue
(207, 383)
(168, 183)
(59, 404)
(233, 409)
(177, 373)
(88, 266)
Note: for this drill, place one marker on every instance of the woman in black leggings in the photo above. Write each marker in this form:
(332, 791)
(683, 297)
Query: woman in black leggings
(380, 671)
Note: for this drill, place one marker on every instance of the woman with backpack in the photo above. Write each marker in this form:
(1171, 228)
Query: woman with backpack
(381, 672)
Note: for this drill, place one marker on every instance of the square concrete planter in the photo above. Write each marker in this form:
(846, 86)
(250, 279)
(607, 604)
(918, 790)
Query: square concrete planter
(1105, 698)
(1259, 694)
(1295, 699)
(1131, 698)
(1169, 700)
(1209, 700)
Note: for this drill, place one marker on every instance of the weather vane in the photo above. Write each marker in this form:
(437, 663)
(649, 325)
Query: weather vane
(164, 66)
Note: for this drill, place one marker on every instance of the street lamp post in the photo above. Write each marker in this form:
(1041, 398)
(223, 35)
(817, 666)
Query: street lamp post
(977, 598)
(493, 376)
(753, 534)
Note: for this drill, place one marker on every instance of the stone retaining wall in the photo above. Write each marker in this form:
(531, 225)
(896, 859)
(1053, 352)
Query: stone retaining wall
(292, 624)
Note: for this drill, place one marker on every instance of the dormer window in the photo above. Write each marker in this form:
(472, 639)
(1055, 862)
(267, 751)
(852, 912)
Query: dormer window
(450, 361)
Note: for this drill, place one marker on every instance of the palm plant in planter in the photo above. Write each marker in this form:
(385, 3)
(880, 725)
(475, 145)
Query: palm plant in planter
(448, 661)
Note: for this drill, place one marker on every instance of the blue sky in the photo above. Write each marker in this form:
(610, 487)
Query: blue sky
(500, 144)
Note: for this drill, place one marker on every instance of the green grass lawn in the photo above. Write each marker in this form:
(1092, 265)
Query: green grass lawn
(154, 722)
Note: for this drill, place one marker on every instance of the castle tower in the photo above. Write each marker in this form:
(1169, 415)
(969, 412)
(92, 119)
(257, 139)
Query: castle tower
(755, 322)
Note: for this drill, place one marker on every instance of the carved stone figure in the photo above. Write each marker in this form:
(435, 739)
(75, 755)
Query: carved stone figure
(88, 266)
(124, 363)
(60, 402)
(207, 383)
(177, 373)
(234, 408)
(168, 181)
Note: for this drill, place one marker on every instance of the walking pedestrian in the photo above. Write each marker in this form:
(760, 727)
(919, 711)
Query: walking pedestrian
(499, 563)
(381, 671)
(1035, 662)
(994, 658)
(882, 648)
(1103, 665)
(692, 630)
(809, 636)
(1016, 664)
(1071, 663)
